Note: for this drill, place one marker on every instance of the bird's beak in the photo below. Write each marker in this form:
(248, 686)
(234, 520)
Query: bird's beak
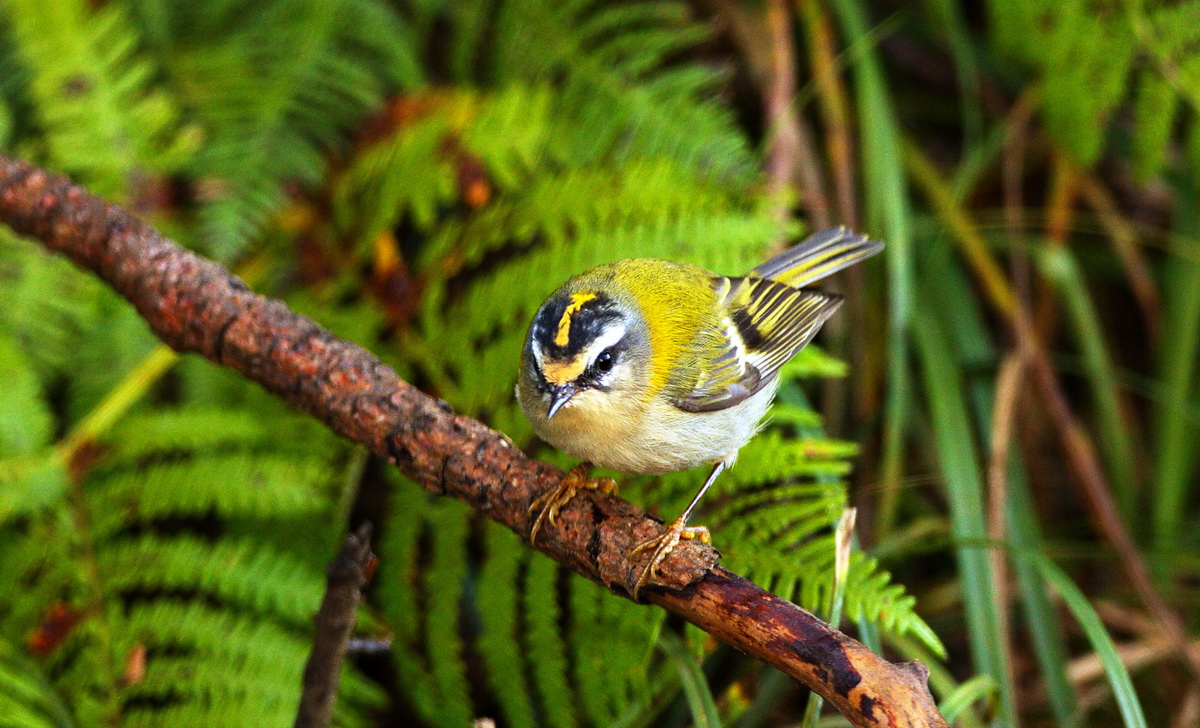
(559, 396)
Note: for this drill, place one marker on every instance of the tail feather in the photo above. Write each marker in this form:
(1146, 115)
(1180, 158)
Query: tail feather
(817, 256)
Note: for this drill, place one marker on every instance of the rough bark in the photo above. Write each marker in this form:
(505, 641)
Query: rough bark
(196, 306)
(346, 576)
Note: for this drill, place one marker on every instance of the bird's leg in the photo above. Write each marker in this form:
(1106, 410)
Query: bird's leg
(550, 502)
(665, 543)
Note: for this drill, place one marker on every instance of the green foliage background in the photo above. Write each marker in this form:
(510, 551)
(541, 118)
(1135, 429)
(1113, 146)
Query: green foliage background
(418, 176)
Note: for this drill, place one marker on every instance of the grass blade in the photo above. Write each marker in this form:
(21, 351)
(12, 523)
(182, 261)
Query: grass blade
(965, 324)
(1045, 634)
(964, 483)
(887, 206)
(1176, 447)
(1060, 268)
(1074, 599)
(695, 684)
(978, 688)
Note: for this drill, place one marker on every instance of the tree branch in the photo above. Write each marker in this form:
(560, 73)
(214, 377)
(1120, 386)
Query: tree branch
(346, 576)
(196, 306)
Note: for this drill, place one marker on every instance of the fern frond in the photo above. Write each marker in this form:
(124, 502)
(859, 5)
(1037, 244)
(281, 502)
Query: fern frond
(1084, 54)
(229, 484)
(14, 77)
(514, 131)
(105, 355)
(1155, 106)
(544, 639)
(191, 429)
(192, 626)
(200, 715)
(31, 483)
(611, 644)
(498, 644)
(627, 99)
(26, 423)
(516, 601)
(45, 303)
(812, 361)
(27, 697)
(407, 174)
(590, 665)
(102, 117)
(220, 618)
(424, 605)
(7, 121)
(425, 610)
(238, 573)
(778, 510)
(1175, 26)
(30, 568)
(265, 684)
(636, 630)
(278, 91)
(206, 663)
(399, 547)
(444, 580)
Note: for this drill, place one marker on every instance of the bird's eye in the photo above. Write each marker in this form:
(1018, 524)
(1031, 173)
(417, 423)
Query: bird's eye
(604, 362)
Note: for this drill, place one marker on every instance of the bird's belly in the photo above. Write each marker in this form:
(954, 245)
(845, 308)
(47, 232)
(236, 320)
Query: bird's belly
(660, 439)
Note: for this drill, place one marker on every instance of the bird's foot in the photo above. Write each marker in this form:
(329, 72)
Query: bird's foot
(662, 546)
(549, 503)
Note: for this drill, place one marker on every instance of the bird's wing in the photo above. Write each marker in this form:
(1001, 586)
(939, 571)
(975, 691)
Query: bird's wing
(765, 324)
(817, 256)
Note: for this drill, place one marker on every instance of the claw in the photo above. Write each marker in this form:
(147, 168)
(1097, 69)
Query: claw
(551, 502)
(663, 544)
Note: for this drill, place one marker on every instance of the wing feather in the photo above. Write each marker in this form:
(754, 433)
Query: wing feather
(767, 323)
(817, 256)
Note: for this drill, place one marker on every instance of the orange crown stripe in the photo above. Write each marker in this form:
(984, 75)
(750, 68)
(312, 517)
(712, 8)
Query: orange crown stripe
(564, 324)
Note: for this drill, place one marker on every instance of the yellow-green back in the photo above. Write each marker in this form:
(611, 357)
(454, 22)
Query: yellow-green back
(679, 306)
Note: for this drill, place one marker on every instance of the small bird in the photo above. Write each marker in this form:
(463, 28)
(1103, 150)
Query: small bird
(650, 366)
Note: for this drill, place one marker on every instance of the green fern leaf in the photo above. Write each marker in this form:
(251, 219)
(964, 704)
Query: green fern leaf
(382, 184)
(628, 101)
(102, 118)
(278, 90)
(1155, 107)
(46, 304)
(540, 595)
(424, 603)
(444, 580)
(25, 419)
(591, 665)
(235, 484)
(27, 696)
(241, 574)
(167, 432)
(498, 644)
(106, 354)
(7, 123)
(31, 483)
(194, 627)
(1085, 52)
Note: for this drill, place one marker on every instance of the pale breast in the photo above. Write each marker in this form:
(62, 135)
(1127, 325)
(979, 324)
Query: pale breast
(658, 438)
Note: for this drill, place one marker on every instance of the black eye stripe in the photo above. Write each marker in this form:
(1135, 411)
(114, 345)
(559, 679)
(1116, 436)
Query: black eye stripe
(592, 318)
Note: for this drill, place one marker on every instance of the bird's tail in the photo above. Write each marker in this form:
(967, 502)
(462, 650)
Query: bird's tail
(819, 255)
